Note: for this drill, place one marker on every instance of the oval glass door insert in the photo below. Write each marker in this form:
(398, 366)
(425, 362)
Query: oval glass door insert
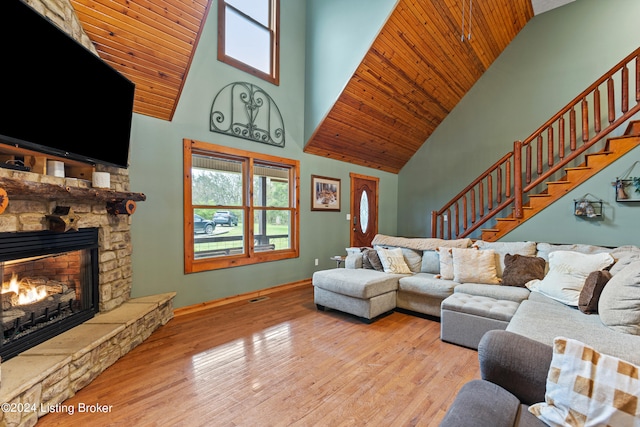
(364, 211)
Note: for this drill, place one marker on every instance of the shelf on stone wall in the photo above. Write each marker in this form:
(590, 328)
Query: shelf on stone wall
(118, 202)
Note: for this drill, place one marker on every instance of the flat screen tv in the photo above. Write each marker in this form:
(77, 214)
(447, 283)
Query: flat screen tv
(56, 96)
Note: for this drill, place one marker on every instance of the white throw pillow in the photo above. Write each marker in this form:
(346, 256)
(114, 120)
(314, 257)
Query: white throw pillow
(587, 388)
(567, 273)
(393, 261)
(474, 266)
(446, 263)
(503, 248)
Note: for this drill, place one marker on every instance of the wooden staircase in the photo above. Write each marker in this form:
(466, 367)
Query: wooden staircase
(594, 162)
(579, 131)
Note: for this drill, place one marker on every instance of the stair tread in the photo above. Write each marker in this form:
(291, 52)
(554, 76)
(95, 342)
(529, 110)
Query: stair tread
(578, 168)
(490, 230)
(558, 182)
(540, 195)
(599, 153)
(509, 218)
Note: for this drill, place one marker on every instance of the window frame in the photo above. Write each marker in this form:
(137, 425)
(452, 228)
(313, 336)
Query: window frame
(274, 30)
(250, 256)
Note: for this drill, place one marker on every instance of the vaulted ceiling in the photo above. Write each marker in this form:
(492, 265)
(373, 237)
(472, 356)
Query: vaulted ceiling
(423, 61)
(151, 42)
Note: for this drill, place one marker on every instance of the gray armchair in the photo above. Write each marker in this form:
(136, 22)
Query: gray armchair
(514, 374)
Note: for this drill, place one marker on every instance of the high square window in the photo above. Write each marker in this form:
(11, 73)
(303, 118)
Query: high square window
(248, 36)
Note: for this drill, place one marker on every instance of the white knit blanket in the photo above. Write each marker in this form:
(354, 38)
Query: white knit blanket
(419, 243)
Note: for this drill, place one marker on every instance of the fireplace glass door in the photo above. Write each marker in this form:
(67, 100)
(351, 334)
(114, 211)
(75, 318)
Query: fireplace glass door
(45, 294)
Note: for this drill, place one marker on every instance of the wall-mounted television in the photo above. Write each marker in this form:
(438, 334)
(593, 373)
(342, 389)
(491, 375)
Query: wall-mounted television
(56, 96)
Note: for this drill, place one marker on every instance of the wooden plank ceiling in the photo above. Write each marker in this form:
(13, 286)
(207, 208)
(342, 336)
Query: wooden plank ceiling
(151, 42)
(414, 74)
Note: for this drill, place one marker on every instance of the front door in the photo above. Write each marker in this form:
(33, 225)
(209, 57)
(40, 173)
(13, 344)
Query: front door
(364, 209)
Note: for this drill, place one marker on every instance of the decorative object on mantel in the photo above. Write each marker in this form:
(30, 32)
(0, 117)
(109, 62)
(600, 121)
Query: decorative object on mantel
(101, 180)
(586, 207)
(63, 219)
(622, 184)
(246, 111)
(121, 207)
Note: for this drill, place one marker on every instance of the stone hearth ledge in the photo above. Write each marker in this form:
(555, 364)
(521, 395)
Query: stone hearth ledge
(55, 370)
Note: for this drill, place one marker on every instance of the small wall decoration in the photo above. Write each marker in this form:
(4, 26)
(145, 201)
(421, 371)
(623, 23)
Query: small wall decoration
(246, 111)
(325, 193)
(628, 187)
(587, 207)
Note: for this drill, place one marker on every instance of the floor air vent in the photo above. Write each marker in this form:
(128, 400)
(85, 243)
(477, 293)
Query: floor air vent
(258, 299)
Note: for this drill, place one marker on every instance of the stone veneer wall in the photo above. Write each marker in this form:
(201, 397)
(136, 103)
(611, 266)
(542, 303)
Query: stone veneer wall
(114, 236)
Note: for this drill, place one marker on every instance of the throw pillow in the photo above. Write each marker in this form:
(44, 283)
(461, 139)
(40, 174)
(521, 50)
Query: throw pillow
(474, 266)
(590, 294)
(371, 260)
(520, 269)
(588, 388)
(619, 305)
(568, 271)
(503, 248)
(430, 262)
(446, 263)
(393, 261)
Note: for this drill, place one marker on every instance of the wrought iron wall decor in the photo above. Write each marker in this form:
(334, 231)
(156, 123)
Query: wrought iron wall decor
(246, 111)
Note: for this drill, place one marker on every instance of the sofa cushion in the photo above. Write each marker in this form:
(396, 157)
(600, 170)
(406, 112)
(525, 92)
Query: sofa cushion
(544, 249)
(521, 269)
(590, 294)
(624, 255)
(393, 261)
(619, 304)
(413, 259)
(567, 273)
(498, 292)
(588, 388)
(474, 266)
(482, 403)
(358, 283)
(544, 321)
(503, 248)
(480, 306)
(427, 284)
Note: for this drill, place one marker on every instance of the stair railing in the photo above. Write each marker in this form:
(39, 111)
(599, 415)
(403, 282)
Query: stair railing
(551, 148)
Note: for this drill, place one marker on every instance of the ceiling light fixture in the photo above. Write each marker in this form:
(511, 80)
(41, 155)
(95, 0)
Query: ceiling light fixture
(462, 25)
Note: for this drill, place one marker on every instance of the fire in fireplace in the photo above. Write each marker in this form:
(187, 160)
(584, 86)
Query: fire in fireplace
(49, 285)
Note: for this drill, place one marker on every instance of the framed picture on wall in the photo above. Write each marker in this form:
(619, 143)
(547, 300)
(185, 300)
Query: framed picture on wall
(325, 193)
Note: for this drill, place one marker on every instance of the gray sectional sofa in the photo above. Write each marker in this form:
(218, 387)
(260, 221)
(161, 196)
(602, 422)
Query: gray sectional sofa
(468, 310)
(586, 293)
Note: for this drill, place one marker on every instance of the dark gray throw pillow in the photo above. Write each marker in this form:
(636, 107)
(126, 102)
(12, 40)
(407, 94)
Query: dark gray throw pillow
(520, 269)
(371, 260)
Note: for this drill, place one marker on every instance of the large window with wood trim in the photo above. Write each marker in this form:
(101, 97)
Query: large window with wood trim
(240, 207)
(248, 36)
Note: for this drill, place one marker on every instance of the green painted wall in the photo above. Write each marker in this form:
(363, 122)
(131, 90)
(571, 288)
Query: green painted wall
(339, 33)
(156, 170)
(555, 57)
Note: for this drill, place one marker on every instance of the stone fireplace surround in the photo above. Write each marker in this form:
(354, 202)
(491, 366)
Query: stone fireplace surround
(55, 370)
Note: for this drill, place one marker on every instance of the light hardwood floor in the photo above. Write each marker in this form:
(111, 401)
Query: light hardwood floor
(280, 362)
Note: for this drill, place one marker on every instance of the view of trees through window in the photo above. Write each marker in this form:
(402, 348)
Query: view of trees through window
(227, 191)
